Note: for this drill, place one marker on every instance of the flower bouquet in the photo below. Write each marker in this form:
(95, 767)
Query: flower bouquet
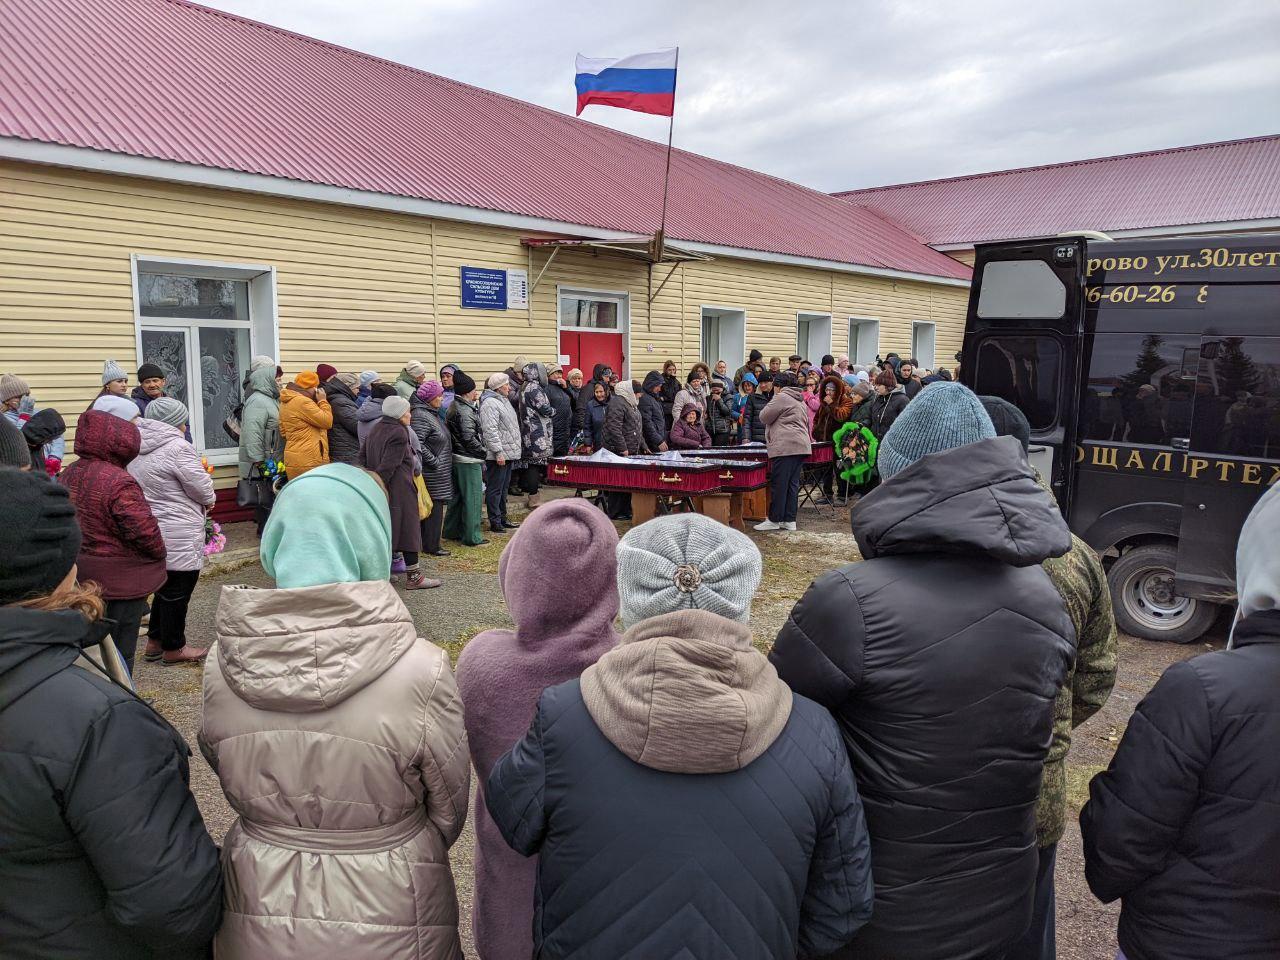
(215, 541)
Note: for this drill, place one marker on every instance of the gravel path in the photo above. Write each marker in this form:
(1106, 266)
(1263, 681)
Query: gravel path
(470, 601)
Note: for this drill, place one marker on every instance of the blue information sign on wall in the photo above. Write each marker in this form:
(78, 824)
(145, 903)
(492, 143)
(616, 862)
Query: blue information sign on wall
(484, 289)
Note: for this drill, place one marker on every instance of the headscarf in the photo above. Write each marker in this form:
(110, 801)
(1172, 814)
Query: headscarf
(330, 525)
(626, 390)
(350, 381)
(1257, 559)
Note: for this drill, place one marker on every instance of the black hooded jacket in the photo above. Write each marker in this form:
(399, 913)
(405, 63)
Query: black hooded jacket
(44, 427)
(103, 853)
(941, 655)
(344, 440)
(562, 402)
(653, 417)
(1184, 825)
(752, 426)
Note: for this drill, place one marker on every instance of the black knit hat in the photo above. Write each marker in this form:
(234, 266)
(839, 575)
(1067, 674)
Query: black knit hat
(755, 355)
(39, 536)
(13, 446)
(149, 371)
(462, 384)
(1008, 419)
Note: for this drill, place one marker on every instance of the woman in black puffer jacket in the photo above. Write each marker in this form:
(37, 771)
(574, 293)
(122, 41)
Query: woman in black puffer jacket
(1183, 826)
(941, 655)
(426, 420)
(344, 439)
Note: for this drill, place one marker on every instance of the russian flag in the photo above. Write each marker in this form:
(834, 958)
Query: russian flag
(643, 81)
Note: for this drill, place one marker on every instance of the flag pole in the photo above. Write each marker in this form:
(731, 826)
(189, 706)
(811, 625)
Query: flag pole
(660, 240)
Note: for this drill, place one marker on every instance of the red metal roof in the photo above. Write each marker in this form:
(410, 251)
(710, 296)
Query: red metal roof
(171, 80)
(1208, 183)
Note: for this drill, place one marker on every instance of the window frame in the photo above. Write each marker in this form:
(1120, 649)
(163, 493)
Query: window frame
(619, 297)
(931, 363)
(854, 324)
(262, 325)
(809, 317)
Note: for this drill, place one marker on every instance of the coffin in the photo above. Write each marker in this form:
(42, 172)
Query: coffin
(823, 452)
(684, 478)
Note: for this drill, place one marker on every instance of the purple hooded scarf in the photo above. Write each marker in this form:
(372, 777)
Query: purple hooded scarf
(559, 578)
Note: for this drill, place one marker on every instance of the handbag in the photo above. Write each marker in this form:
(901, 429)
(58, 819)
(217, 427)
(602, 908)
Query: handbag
(255, 492)
(425, 506)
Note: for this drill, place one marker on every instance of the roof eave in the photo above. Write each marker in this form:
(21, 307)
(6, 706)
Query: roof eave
(103, 161)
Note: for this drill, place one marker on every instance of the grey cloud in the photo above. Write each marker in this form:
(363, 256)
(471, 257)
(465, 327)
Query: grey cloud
(838, 95)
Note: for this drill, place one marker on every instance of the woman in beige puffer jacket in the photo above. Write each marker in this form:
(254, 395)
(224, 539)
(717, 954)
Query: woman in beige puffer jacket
(337, 734)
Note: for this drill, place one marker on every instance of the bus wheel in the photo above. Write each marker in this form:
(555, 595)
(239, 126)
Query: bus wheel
(1145, 605)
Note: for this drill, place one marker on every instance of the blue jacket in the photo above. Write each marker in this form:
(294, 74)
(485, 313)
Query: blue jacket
(765, 861)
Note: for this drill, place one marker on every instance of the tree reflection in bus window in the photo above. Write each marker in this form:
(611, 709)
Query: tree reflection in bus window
(1026, 371)
(1237, 408)
(1140, 388)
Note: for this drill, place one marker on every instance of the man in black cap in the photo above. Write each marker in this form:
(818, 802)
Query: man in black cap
(151, 384)
(755, 356)
(105, 852)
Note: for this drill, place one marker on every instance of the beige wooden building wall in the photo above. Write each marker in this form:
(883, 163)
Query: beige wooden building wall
(365, 289)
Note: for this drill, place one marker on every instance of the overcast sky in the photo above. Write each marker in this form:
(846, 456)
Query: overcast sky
(849, 93)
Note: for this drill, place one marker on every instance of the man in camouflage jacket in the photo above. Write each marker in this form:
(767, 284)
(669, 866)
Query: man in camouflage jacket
(1082, 583)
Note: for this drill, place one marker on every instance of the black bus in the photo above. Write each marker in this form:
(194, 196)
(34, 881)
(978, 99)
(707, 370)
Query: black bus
(1150, 372)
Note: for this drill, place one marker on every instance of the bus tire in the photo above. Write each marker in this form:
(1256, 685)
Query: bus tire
(1145, 605)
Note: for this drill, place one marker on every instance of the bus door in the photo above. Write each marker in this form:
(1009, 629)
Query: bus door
(1023, 341)
(1232, 454)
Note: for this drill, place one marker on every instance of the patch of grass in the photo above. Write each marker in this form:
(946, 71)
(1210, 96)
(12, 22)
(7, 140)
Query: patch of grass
(482, 559)
(1078, 778)
(222, 568)
(181, 688)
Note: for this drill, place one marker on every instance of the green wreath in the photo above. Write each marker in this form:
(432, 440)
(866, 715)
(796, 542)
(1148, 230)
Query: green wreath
(856, 449)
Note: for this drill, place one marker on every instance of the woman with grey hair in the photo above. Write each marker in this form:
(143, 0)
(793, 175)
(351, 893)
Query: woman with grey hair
(680, 784)
(180, 493)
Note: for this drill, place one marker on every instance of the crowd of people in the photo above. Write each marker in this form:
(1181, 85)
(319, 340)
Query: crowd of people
(888, 782)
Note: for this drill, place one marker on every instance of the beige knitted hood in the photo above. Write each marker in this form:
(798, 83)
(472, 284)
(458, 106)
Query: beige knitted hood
(686, 692)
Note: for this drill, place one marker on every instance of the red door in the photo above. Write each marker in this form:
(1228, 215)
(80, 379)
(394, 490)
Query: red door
(586, 348)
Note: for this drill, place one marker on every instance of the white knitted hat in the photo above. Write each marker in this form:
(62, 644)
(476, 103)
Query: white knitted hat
(686, 562)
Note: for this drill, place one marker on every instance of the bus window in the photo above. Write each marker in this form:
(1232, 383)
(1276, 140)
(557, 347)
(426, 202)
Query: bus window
(1020, 290)
(1140, 388)
(1026, 371)
(1237, 408)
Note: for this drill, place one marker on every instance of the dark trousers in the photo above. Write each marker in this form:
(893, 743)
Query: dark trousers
(432, 527)
(1040, 941)
(784, 487)
(169, 609)
(617, 505)
(723, 439)
(410, 560)
(260, 515)
(496, 481)
(127, 615)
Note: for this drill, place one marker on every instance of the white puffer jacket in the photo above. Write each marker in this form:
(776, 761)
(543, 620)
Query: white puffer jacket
(177, 489)
(499, 427)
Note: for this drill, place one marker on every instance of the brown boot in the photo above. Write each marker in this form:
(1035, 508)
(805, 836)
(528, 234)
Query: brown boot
(188, 654)
(153, 652)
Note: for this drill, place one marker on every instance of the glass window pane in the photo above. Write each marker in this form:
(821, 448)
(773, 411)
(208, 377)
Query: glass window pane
(200, 298)
(1026, 371)
(585, 312)
(1237, 409)
(167, 349)
(1021, 290)
(1140, 387)
(224, 356)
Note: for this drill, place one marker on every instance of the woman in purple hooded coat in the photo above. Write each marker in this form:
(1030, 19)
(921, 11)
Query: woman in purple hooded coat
(563, 625)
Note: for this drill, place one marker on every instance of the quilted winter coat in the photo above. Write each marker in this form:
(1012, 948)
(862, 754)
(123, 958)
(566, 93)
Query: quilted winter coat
(178, 491)
(683, 803)
(499, 427)
(463, 421)
(622, 426)
(260, 438)
(344, 438)
(337, 734)
(941, 655)
(103, 855)
(688, 436)
(562, 402)
(304, 424)
(436, 449)
(1183, 825)
(652, 418)
(121, 548)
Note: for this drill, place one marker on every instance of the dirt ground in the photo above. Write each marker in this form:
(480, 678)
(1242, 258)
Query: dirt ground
(470, 601)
